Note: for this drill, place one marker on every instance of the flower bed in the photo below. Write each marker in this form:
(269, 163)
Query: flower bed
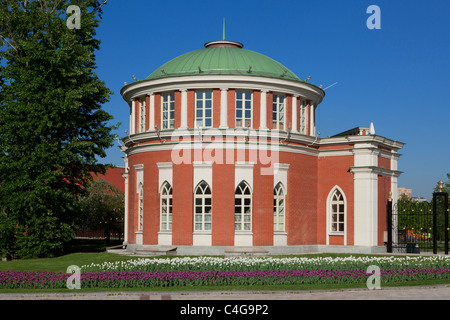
(206, 271)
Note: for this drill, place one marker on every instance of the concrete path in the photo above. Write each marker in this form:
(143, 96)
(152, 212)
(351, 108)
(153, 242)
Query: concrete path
(438, 292)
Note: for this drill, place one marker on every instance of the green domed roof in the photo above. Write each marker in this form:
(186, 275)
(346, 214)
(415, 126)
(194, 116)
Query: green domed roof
(223, 57)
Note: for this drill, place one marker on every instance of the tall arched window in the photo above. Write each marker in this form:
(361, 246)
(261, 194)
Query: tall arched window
(166, 207)
(203, 207)
(279, 216)
(337, 212)
(141, 207)
(243, 208)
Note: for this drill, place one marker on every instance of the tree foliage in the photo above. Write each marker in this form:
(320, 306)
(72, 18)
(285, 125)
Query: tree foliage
(103, 209)
(52, 126)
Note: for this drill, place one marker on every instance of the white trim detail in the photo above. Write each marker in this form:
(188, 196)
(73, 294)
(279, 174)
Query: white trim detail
(202, 172)
(280, 175)
(243, 171)
(165, 173)
(139, 168)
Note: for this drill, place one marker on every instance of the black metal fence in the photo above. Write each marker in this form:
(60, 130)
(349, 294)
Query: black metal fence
(422, 227)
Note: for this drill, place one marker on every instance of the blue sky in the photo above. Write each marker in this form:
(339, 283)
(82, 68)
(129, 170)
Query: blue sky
(397, 77)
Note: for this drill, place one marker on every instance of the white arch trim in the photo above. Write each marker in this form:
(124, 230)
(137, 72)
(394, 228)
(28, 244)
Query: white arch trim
(328, 215)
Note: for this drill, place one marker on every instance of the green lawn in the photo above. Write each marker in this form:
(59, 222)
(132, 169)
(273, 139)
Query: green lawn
(60, 264)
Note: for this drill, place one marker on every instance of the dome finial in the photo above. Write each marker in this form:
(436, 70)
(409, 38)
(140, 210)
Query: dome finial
(223, 29)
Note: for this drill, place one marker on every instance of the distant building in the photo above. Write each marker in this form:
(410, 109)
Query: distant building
(113, 176)
(404, 191)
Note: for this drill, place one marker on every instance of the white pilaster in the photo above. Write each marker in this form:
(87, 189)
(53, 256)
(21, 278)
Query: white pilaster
(263, 110)
(312, 127)
(365, 194)
(184, 109)
(223, 108)
(294, 113)
(133, 117)
(366, 207)
(152, 112)
(125, 232)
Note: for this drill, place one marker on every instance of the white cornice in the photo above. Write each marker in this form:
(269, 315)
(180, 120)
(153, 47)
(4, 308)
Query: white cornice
(147, 87)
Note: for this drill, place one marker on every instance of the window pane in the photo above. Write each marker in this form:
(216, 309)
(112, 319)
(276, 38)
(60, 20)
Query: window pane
(238, 94)
(208, 94)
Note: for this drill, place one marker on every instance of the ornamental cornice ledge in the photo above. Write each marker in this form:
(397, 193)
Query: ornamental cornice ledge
(375, 170)
(309, 91)
(376, 140)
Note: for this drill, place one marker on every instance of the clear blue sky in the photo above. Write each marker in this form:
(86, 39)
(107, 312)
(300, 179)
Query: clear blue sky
(397, 77)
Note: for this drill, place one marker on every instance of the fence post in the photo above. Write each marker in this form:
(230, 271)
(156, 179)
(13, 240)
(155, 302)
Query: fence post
(435, 196)
(434, 223)
(446, 221)
(389, 223)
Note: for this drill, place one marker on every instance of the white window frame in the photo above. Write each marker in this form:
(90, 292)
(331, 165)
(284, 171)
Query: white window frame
(202, 219)
(245, 121)
(168, 110)
(242, 218)
(166, 205)
(303, 116)
(201, 121)
(141, 207)
(279, 208)
(142, 114)
(277, 124)
(337, 208)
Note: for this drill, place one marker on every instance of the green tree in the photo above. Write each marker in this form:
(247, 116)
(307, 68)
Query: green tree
(103, 209)
(52, 126)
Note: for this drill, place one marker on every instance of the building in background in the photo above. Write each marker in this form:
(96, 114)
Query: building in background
(223, 156)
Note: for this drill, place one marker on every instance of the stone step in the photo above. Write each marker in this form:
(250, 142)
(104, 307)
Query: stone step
(156, 251)
(245, 251)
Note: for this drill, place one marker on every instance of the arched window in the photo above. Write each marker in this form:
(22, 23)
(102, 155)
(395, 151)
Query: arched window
(141, 208)
(337, 211)
(279, 216)
(166, 207)
(243, 208)
(203, 207)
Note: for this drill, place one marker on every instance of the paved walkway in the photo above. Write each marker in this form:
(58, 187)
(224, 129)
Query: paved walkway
(438, 292)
